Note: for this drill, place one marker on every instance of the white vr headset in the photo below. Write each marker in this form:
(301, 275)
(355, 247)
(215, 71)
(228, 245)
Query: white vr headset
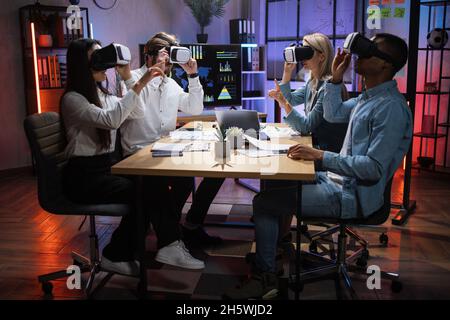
(180, 55)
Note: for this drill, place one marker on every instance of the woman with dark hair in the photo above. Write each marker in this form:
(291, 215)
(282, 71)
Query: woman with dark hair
(91, 116)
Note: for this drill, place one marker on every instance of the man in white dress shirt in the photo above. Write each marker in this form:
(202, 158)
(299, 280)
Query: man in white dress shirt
(162, 100)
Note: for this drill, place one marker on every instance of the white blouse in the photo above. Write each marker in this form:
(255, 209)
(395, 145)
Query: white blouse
(82, 119)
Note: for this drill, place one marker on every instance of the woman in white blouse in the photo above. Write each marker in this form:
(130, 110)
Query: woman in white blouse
(91, 116)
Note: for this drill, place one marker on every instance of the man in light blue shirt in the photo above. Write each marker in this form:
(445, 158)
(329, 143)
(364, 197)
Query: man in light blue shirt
(378, 137)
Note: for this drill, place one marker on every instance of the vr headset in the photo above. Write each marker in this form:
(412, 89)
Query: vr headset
(177, 54)
(296, 53)
(180, 55)
(357, 44)
(110, 56)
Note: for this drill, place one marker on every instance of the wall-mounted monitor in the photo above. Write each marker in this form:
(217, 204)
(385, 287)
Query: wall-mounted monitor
(219, 68)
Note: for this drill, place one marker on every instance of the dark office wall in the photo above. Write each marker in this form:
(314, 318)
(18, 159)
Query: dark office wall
(131, 22)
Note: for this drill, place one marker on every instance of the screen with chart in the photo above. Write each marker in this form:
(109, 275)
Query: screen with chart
(219, 68)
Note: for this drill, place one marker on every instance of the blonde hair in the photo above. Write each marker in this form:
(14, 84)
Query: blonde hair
(320, 42)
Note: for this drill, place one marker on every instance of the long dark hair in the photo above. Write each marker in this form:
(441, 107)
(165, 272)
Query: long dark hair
(80, 79)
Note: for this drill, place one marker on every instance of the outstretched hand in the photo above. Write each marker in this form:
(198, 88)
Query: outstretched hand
(340, 65)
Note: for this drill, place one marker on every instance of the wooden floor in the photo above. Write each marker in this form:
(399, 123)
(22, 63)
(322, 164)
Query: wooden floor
(33, 242)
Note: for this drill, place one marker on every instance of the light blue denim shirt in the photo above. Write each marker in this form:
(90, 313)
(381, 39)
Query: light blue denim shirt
(326, 135)
(313, 118)
(378, 137)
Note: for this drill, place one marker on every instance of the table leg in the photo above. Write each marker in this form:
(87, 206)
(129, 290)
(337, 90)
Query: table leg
(298, 240)
(142, 286)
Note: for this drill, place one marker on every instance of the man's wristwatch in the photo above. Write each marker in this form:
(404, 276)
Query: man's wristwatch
(193, 75)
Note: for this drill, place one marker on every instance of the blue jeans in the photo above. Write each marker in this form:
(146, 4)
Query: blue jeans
(320, 199)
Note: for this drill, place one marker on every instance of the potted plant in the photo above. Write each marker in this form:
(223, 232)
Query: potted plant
(222, 148)
(203, 11)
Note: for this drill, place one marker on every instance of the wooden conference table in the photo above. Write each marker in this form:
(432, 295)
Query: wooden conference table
(204, 164)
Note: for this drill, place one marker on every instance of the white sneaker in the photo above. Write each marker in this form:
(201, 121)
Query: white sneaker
(177, 255)
(127, 268)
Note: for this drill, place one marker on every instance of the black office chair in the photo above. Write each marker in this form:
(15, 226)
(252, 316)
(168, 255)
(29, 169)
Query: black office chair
(47, 141)
(338, 267)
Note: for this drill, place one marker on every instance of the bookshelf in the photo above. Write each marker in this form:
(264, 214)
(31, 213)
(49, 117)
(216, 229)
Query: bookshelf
(254, 77)
(44, 39)
(435, 103)
(243, 32)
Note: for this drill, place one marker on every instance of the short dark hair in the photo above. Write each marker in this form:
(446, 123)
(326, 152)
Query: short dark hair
(394, 46)
(159, 41)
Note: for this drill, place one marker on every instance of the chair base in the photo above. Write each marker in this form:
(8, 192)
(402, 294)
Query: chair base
(92, 267)
(340, 267)
(340, 273)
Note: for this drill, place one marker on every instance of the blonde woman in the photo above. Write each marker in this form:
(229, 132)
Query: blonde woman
(326, 136)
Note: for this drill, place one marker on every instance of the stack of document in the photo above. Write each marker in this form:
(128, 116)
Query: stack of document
(160, 148)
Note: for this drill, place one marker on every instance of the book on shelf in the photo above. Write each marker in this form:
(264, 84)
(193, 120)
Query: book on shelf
(57, 72)
(46, 82)
(49, 72)
(40, 73)
(255, 59)
(65, 31)
(251, 59)
(242, 31)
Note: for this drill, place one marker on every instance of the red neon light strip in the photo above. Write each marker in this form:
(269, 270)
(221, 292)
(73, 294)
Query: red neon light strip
(36, 75)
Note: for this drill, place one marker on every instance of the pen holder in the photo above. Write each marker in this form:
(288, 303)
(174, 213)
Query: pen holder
(222, 150)
(237, 142)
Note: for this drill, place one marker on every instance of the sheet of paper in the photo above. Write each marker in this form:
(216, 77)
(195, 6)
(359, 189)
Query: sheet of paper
(205, 135)
(276, 132)
(170, 147)
(264, 145)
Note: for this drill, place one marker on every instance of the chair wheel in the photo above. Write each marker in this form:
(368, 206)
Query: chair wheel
(396, 286)
(303, 228)
(293, 286)
(365, 254)
(362, 260)
(250, 258)
(313, 247)
(384, 239)
(47, 288)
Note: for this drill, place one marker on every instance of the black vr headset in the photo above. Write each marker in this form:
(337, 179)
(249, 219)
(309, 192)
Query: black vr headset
(297, 53)
(110, 56)
(357, 44)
